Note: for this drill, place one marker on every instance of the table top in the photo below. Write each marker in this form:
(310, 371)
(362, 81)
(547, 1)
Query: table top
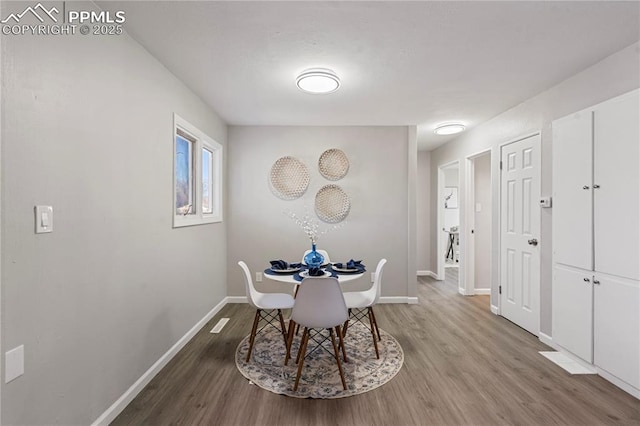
(290, 278)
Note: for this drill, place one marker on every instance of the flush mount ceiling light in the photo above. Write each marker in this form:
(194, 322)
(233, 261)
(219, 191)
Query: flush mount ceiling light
(318, 80)
(449, 129)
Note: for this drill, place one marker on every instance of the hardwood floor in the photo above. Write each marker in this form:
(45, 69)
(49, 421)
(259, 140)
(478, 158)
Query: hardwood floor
(463, 366)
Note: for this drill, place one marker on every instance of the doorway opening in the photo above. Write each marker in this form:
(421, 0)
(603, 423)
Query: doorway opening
(478, 212)
(448, 230)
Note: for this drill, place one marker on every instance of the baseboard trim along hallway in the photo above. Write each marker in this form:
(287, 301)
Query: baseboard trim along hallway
(116, 408)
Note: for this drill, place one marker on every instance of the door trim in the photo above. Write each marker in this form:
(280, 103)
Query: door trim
(498, 232)
(469, 221)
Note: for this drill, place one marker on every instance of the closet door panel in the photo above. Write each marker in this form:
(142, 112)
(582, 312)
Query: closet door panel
(572, 310)
(617, 327)
(572, 192)
(617, 200)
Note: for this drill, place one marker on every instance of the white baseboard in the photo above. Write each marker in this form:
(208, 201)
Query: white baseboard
(482, 291)
(463, 292)
(237, 299)
(116, 408)
(495, 310)
(427, 274)
(399, 299)
(547, 340)
(619, 383)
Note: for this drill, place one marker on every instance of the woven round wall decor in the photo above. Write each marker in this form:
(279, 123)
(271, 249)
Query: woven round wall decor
(332, 204)
(333, 164)
(289, 178)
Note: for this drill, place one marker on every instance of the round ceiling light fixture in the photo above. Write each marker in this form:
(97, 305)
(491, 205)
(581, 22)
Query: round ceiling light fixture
(318, 80)
(449, 129)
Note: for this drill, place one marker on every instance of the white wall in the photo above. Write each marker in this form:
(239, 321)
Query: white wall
(377, 182)
(482, 219)
(87, 128)
(615, 75)
(423, 213)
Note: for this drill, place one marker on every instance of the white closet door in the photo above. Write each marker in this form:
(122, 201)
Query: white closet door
(519, 233)
(617, 200)
(572, 311)
(572, 192)
(617, 327)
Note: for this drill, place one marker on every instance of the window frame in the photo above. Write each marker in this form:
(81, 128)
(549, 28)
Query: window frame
(200, 141)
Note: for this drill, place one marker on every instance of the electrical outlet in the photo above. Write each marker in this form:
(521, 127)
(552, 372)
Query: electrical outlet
(258, 277)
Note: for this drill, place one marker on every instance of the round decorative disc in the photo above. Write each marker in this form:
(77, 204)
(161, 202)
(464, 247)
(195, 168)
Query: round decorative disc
(333, 164)
(332, 204)
(289, 178)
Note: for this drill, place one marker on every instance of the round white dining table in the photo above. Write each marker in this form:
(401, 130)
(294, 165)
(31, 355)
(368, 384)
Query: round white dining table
(289, 279)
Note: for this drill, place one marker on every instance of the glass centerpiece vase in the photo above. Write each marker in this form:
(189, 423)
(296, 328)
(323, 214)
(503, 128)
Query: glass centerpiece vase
(313, 259)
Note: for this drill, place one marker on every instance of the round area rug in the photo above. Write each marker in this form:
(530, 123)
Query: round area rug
(320, 377)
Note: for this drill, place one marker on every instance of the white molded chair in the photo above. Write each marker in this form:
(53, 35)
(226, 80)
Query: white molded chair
(360, 303)
(318, 305)
(264, 304)
(322, 252)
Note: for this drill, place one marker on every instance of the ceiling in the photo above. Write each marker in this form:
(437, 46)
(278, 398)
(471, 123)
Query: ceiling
(401, 63)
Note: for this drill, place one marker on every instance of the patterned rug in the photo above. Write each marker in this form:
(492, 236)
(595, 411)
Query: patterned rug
(320, 377)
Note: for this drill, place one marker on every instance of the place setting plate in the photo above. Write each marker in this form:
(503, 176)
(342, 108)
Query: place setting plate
(305, 274)
(335, 268)
(285, 271)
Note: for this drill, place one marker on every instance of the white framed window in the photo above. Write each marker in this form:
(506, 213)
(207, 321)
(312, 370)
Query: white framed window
(197, 176)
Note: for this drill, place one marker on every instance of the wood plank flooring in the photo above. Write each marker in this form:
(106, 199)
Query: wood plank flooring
(463, 366)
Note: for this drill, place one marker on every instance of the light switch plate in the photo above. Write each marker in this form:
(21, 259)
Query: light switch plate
(14, 364)
(258, 277)
(44, 219)
(545, 202)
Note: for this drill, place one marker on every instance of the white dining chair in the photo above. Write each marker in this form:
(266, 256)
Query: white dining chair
(360, 304)
(319, 305)
(322, 252)
(265, 304)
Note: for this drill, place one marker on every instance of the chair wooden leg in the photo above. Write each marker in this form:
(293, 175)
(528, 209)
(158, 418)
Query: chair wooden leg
(303, 348)
(252, 338)
(335, 350)
(282, 327)
(341, 340)
(292, 324)
(373, 332)
(300, 347)
(375, 322)
(346, 324)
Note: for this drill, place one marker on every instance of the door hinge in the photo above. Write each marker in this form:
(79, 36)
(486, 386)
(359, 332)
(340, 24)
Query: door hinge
(499, 289)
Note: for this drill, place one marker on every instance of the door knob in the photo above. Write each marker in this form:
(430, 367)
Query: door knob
(596, 282)
(585, 187)
(533, 242)
(596, 186)
(586, 280)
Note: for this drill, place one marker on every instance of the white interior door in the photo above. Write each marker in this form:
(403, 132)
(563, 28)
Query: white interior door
(572, 190)
(616, 175)
(617, 327)
(572, 309)
(519, 233)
